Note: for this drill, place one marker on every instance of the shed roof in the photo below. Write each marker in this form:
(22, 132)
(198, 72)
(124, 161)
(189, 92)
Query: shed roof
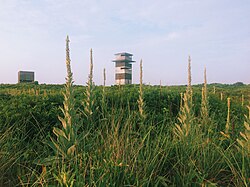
(26, 72)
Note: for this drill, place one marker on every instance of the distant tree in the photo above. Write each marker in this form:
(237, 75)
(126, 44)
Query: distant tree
(239, 84)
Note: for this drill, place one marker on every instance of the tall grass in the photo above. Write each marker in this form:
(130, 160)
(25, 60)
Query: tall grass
(8, 159)
(186, 116)
(189, 92)
(103, 104)
(88, 102)
(141, 104)
(204, 102)
(65, 146)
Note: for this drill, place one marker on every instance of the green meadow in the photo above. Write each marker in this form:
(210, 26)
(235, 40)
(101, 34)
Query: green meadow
(124, 135)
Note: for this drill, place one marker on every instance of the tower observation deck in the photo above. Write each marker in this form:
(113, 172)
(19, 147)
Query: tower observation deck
(123, 68)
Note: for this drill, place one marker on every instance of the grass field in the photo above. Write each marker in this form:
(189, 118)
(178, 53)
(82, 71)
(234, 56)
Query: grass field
(133, 135)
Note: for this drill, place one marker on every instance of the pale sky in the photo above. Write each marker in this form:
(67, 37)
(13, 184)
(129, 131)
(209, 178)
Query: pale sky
(163, 33)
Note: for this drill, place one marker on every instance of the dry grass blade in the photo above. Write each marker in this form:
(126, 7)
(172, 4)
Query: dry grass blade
(88, 102)
(204, 102)
(141, 104)
(67, 136)
(185, 119)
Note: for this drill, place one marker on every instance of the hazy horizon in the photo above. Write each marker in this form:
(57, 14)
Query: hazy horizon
(216, 34)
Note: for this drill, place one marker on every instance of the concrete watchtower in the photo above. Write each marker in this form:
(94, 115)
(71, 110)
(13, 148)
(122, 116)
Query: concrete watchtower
(123, 68)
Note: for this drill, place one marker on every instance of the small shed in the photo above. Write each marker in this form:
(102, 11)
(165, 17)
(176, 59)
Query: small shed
(26, 77)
